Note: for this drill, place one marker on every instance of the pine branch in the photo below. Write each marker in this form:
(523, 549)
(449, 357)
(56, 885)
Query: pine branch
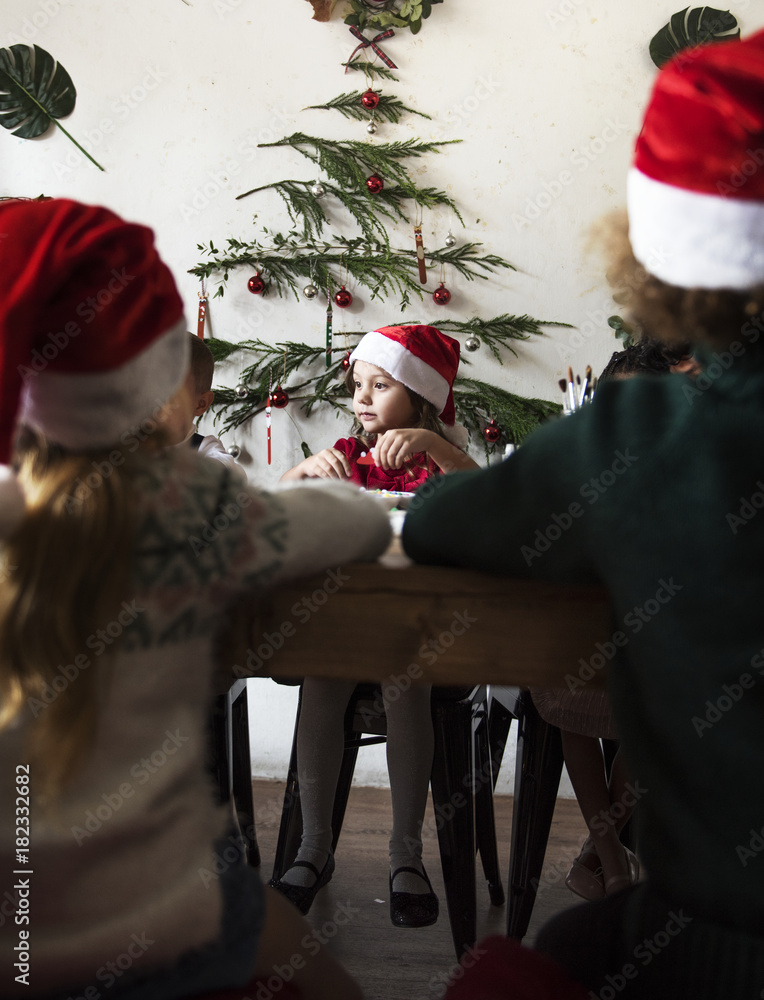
(350, 162)
(372, 69)
(384, 270)
(349, 105)
(305, 208)
(477, 402)
(498, 331)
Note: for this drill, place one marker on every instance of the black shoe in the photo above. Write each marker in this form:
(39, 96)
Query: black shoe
(302, 896)
(413, 909)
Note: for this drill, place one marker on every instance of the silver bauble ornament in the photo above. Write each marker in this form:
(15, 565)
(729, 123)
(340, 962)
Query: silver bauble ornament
(310, 291)
(371, 128)
(450, 240)
(472, 343)
(318, 190)
(241, 391)
(234, 450)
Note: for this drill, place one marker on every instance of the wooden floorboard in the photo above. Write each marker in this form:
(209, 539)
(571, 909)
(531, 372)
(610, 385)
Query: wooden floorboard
(352, 912)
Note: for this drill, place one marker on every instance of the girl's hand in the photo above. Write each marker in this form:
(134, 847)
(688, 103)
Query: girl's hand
(395, 446)
(327, 464)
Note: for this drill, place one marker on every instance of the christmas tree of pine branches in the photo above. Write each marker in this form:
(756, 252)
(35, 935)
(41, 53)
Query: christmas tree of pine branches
(312, 260)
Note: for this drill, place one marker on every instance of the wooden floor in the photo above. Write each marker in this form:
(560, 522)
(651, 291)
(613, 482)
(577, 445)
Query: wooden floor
(394, 963)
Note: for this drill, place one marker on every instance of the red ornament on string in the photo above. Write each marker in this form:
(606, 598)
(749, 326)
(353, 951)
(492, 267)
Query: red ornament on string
(345, 363)
(441, 296)
(279, 397)
(343, 298)
(256, 285)
(375, 183)
(492, 432)
(370, 99)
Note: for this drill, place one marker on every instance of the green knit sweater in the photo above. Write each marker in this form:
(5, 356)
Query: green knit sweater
(657, 491)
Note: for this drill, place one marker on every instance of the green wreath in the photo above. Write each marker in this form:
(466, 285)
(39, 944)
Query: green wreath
(390, 13)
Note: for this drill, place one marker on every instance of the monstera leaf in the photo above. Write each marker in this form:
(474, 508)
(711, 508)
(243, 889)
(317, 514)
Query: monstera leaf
(35, 90)
(692, 27)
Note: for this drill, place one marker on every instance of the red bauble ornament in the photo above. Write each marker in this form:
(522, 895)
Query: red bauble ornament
(492, 432)
(256, 285)
(441, 296)
(370, 99)
(375, 183)
(343, 298)
(345, 363)
(279, 397)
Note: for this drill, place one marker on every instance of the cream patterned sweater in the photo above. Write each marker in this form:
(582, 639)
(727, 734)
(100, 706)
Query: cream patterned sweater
(126, 858)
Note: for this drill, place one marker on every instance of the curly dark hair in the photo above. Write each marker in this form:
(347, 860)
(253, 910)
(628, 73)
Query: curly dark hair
(669, 314)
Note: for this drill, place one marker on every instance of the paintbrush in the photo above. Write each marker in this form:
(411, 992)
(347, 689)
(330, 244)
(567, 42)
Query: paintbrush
(571, 390)
(585, 385)
(564, 386)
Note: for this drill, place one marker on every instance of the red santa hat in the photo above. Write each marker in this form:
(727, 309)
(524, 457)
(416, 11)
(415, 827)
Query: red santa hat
(696, 188)
(92, 334)
(421, 357)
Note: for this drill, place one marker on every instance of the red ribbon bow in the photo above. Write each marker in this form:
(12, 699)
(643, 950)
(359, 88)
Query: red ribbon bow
(365, 43)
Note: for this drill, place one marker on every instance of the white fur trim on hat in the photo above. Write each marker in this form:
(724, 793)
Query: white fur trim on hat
(94, 410)
(391, 356)
(695, 240)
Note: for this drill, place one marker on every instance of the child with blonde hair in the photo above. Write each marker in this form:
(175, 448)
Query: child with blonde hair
(110, 618)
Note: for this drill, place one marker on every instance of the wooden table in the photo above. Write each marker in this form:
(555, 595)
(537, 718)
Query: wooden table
(368, 621)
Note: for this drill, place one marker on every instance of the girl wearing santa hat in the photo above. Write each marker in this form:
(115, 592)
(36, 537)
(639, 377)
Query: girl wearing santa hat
(401, 380)
(119, 561)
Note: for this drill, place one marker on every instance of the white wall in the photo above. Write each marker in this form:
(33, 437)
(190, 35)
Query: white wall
(173, 99)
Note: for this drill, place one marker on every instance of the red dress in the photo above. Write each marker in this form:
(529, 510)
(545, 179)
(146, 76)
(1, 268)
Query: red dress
(417, 470)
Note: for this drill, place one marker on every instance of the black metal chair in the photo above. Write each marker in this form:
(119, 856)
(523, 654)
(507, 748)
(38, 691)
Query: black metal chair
(538, 767)
(462, 784)
(230, 763)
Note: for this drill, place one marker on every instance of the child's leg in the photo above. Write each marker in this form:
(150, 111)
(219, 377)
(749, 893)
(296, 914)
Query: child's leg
(586, 767)
(320, 745)
(409, 763)
(287, 942)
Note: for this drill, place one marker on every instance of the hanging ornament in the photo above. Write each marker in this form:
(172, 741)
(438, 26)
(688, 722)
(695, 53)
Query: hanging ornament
(268, 414)
(472, 343)
(375, 183)
(280, 397)
(450, 240)
(492, 432)
(234, 450)
(310, 291)
(420, 251)
(202, 311)
(441, 296)
(343, 298)
(329, 329)
(318, 190)
(256, 285)
(371, 128)
(345, 363)
(241, 391)
(370, 99)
